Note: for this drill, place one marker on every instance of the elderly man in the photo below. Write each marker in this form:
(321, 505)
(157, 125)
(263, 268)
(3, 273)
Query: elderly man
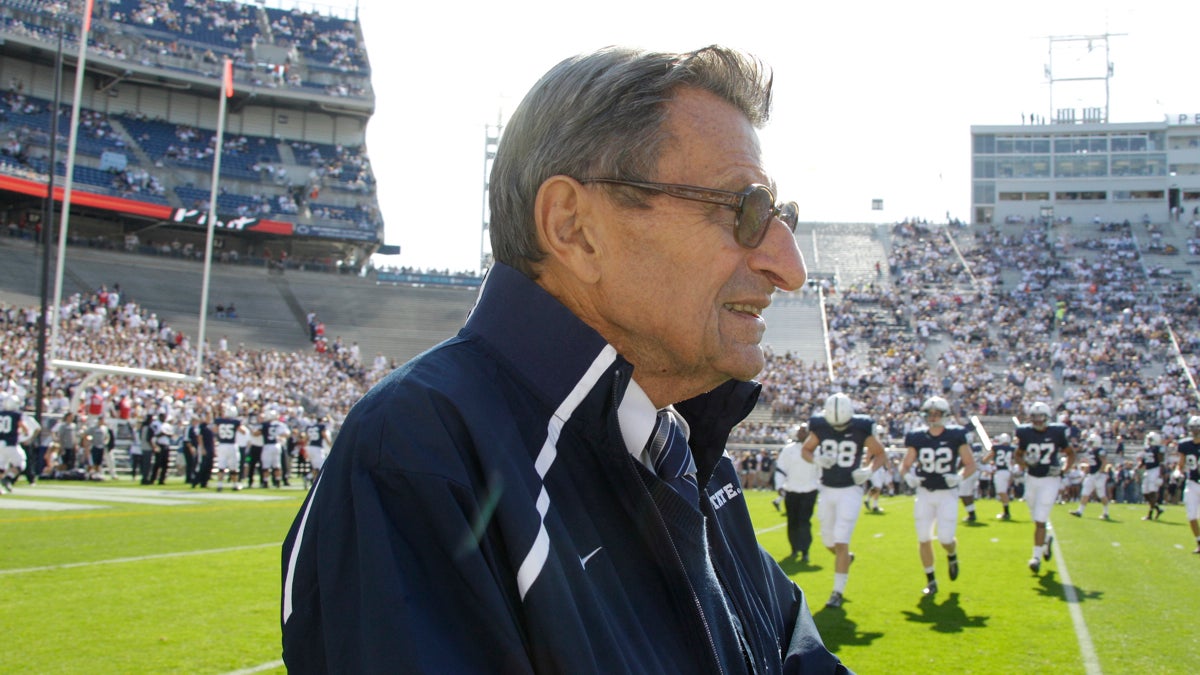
(549, 490)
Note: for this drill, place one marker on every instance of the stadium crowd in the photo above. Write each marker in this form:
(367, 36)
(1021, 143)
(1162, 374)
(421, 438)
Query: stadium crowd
(1078, 324)
(1082, 325)
(106, 328)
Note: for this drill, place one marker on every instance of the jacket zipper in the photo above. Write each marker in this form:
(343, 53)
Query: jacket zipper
(712, 645)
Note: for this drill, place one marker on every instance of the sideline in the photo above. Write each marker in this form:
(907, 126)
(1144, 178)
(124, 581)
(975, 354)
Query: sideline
(1091, 663)
(140, 558)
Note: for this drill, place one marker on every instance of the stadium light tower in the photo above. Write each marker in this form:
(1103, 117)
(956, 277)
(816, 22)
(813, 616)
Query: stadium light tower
(491, 141)
(1080, 62)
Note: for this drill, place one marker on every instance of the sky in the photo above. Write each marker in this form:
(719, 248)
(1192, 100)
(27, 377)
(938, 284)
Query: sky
(873, 100)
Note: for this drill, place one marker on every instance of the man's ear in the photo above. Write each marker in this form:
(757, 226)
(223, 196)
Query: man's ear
(563, 217)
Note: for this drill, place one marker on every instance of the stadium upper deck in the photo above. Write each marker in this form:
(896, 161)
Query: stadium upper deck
(295, 174)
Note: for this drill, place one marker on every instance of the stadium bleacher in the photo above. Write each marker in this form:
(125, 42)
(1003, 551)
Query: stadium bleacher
(399, 322)
(271, 48)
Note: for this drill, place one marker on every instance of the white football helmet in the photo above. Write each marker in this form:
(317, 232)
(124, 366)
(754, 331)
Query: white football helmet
(1095, 441)
(1193, 424)
(10, 402)
(838, 410)
(935, 403)
(231, 411)
(1039, 414)
(1003, 439)
(1153, 438)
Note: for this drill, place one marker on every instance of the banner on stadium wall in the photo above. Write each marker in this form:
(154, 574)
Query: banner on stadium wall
(121, 205)
(427, 279)
(333, 233)
(239, 224)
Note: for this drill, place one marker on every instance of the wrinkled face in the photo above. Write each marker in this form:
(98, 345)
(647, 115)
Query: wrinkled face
(682, 299)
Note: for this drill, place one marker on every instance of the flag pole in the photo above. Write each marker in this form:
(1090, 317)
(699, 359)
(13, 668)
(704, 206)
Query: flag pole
(80, 67)
(226, 92)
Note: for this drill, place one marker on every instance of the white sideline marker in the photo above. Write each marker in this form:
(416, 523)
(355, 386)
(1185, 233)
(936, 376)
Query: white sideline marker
(1091, 663)
(140, 558)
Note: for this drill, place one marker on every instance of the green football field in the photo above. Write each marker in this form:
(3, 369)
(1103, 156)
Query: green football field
(1119, 596)
(122, 579)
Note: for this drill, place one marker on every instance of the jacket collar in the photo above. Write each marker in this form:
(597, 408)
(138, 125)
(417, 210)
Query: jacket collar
(533, 333)
(551, 349)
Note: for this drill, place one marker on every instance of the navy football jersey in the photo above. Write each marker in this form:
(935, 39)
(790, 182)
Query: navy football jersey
(1095, 458)
(846, 447)
(1190, 450)
(1002, 456)
(268, 433)
(1152, 457)
(10, 428)
(1073, 434)
(274, 432)
(227, 428)
(1042, 447)
(316, 435)
(938, 455)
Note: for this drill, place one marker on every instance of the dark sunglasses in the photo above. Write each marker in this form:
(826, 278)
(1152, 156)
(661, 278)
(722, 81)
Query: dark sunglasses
(755, 206)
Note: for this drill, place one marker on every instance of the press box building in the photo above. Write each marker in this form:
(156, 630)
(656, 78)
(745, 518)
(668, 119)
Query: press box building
(1083, 171)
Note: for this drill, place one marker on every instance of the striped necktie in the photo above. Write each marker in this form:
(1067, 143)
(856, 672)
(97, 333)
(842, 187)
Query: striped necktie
(672, 458)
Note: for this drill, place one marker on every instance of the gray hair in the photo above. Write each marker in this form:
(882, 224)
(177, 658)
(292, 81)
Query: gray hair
(601, 114)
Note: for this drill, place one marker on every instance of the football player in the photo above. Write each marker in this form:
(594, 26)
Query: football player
(879, 479)
(230, 431)
(1150, 462)
(319, 442)
(1189, 466)
(1096, 480)
(970, 485)
(1039, 446)
(12, 431)
(1001, 457)
(843, 444)
(274, 434)
(941, 457)
(254, 451)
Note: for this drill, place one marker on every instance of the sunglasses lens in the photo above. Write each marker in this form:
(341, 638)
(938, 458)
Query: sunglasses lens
(757, 211)
(790, 214)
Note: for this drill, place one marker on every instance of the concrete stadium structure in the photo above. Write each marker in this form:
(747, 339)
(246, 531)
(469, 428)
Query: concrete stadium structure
(1147, 172)
(295, 179)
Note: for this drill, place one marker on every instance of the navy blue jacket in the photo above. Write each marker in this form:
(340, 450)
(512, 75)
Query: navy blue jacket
(479, 513)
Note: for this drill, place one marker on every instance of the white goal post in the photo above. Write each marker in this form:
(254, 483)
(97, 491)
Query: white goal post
(95, 370)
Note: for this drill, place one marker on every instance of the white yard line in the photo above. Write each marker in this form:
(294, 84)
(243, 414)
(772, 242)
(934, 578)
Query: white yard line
(120, 495)
(140, 558)
(1091, 663)
(107, 495)
(270, 665)
(98, 493)
(7, 503)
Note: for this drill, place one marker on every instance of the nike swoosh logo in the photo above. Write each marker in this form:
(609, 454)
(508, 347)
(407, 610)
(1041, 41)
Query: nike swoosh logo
(583, 560)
